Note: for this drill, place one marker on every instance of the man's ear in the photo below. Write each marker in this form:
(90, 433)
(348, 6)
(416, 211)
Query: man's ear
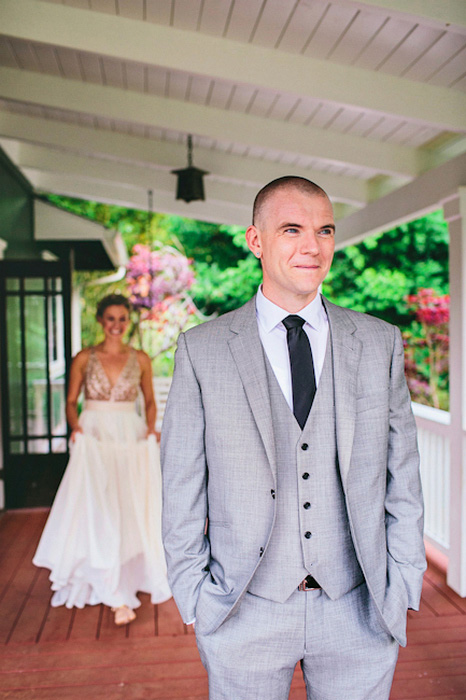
(253, 241)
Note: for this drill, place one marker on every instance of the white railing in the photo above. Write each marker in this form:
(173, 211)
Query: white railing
(161, 389)
(434, 434)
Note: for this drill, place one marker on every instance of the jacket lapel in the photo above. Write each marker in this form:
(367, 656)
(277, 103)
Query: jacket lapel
(347, 350)
(246, 348)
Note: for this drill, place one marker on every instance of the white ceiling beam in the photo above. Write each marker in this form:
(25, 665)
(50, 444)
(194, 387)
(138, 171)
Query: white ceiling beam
(169, 155)
(415, 199)
(119, 104)
(112, 193)
(162, 183)
(41, 158)
(442, 14)
(201, 54)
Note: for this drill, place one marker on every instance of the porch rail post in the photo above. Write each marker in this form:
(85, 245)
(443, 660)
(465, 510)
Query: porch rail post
(455, 214)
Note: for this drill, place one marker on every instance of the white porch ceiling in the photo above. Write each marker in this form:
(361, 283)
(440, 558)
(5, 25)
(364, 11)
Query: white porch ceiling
(97, 97)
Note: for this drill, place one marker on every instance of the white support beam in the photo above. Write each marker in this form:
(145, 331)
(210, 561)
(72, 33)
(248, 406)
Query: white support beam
(455, 214)
(409, 202)
(442, 14)
(112, 193)
(118, 104)
(45, 159)
(169, 155)
(219, 58)
(74, 175)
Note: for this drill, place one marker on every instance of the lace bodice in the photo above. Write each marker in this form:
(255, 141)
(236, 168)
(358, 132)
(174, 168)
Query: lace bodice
(97, 385)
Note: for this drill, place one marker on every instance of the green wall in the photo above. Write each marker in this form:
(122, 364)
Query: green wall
(16, 212)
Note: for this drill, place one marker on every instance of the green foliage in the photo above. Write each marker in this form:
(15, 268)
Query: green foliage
(376, 275)
(227, 274)
(218, 290)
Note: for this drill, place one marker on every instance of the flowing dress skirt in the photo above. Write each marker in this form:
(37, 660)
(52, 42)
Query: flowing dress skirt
(102, 540)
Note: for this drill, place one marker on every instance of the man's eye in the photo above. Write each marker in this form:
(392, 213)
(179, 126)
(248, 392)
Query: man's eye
(326, 231)
(291, 230)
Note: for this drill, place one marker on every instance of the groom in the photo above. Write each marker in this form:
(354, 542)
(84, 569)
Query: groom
(288, 430)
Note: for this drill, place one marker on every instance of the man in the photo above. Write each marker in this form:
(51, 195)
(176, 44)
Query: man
(289, 430)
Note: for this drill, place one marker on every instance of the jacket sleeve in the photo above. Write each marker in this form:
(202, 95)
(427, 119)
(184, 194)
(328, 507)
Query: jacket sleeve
(404, 511)
(184, 478)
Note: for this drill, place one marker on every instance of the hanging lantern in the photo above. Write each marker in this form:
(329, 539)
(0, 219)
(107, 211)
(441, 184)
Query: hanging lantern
(190, 185)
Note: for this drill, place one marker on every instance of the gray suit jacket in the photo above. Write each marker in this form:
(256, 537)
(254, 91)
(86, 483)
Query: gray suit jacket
(218, 462)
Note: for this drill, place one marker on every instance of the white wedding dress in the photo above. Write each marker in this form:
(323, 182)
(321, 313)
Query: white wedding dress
(102, 540)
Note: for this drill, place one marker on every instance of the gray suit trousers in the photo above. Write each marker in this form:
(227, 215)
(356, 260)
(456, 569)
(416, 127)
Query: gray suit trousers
(344, 652)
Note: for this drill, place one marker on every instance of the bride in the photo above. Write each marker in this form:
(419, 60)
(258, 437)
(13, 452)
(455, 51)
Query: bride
(102, 540)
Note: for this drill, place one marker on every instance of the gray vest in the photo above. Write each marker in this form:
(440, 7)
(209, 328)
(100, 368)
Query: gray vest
(311, 534)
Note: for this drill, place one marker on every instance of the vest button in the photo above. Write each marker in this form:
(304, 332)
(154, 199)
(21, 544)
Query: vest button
(305, 475)
(272, 493)
(304, 446)
(308, 535)
(307, 505)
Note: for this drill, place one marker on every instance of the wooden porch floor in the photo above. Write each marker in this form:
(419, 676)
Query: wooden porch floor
(59, 654)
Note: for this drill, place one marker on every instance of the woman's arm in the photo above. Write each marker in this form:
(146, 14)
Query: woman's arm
(148, 393)
(74, 389)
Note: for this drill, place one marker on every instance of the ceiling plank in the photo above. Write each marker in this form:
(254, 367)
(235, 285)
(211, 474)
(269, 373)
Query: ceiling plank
(168, 155)
(435, 13)
(200, 54)
(114, 103)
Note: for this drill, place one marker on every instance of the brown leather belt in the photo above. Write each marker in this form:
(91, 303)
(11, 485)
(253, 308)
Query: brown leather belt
(309, 584)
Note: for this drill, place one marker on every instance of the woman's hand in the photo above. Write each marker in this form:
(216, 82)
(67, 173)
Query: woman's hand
(75, 432)
(153, 431)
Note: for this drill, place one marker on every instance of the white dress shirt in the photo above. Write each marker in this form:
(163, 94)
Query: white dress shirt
(272, 333)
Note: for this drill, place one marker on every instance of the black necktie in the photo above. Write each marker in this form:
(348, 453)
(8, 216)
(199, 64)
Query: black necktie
(302, 368)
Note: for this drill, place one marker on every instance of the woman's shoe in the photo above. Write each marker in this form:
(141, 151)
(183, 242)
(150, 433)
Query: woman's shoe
(123, 615)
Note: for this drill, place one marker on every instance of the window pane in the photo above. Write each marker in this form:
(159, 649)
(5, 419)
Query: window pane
(16, 448)
(59, 445)
(14, 363)
(36, 369)
(34, 284)
(12, 284)
(39, 446)
(57, 364)
(54, 284)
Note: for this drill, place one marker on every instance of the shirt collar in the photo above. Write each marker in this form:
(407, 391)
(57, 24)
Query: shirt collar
(270, 315)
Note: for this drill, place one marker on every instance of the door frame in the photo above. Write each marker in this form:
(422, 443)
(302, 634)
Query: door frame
(21, 471)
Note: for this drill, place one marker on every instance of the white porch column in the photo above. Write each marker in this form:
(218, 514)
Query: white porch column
(455, 214)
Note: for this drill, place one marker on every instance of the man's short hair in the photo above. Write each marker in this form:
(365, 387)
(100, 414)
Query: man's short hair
(286, 182)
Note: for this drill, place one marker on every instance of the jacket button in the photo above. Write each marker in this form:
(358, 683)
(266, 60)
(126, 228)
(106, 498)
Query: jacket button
(305, 475)
(304, 446)
(308, 535)
(272, 492)
(307, 505)
(261, 551)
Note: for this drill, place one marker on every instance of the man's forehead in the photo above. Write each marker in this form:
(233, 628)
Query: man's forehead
(293, 197)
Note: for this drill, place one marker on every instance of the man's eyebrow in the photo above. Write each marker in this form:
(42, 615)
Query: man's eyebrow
(291, 225)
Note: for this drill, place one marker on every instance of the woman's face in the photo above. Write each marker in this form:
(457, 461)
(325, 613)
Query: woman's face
(114, 321)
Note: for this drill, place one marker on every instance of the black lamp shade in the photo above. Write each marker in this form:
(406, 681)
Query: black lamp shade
(190, 184)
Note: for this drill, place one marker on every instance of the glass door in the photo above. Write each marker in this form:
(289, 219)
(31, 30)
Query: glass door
(35, 349)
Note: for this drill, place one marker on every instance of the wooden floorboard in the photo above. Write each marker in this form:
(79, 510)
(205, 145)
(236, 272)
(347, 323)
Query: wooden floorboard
(58, 654)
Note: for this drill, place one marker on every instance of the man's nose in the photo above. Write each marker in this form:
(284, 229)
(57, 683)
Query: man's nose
(309, 243)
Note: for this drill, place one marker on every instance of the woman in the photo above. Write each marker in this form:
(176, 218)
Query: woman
(102, 540)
